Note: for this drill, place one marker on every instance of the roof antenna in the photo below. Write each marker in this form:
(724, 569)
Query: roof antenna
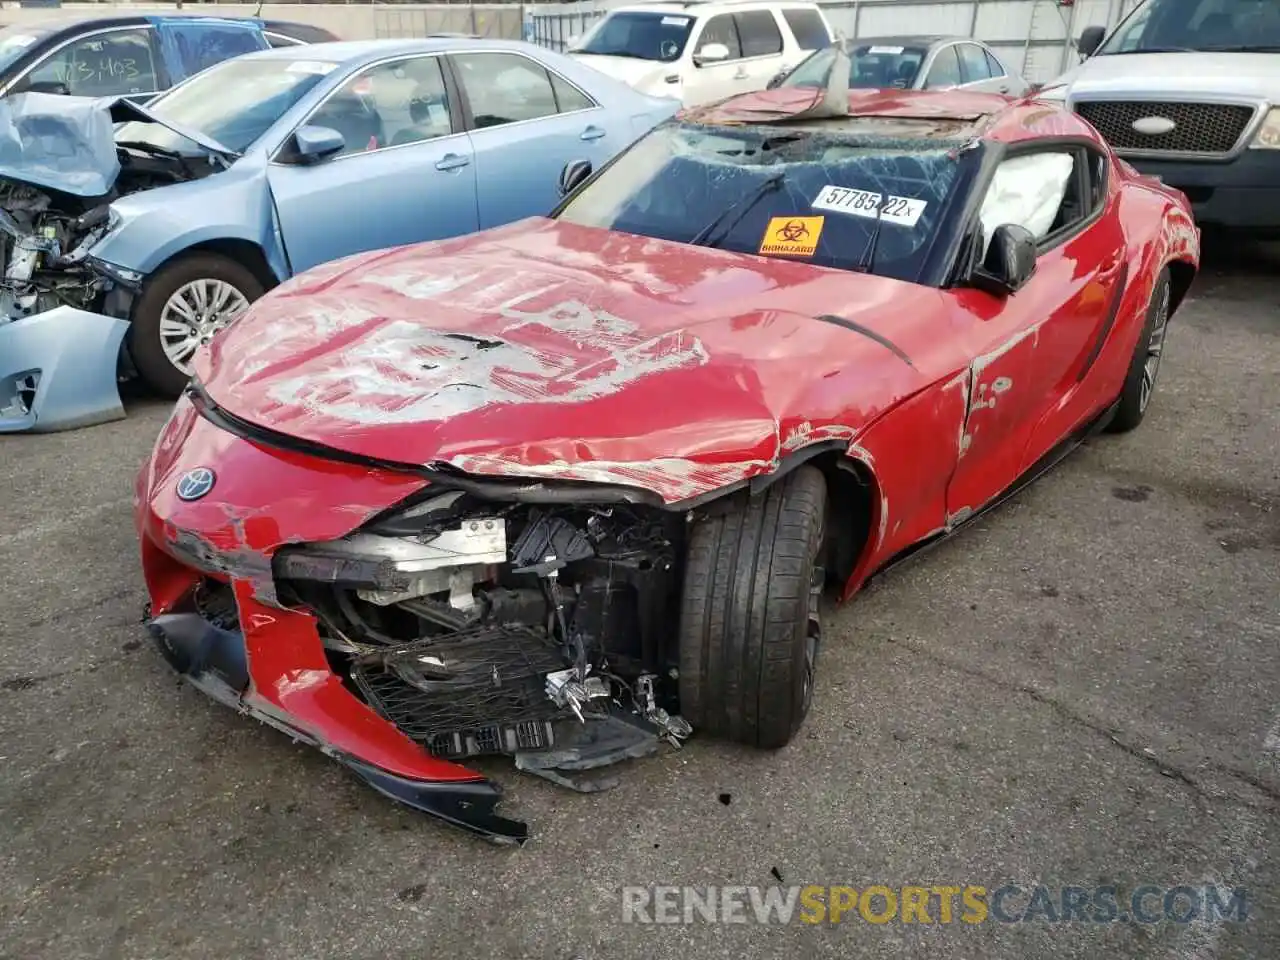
(834, 101)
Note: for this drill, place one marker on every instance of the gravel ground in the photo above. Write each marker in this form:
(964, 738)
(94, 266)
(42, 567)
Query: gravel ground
(1081, 689)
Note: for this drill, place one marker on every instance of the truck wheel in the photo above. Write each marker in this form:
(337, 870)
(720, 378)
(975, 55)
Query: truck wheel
(1140, 381)
(180, 308)
(749, 613)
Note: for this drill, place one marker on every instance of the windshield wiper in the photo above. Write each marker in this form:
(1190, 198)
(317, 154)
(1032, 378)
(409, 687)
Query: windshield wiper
(1244, 48)
(709, 235)
(1114, 53)
(149, 148)
(867, 261)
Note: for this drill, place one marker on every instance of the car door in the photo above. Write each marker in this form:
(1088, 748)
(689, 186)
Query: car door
(944, 70)
(1087, 251)
(116, 62)
(711, 80)
(1024, 345)
(763, 49)
(526, 122)
(975, 72)
(405, 174)
(1004, 81)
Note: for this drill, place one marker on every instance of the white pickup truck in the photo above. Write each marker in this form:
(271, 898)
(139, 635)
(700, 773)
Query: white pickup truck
(1189, 91)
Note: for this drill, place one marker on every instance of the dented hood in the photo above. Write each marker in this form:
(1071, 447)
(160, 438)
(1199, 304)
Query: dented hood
(547, 349)
(68, 143)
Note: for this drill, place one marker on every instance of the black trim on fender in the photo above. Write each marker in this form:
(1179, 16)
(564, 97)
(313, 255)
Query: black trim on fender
(869, 334)
(1122, 283)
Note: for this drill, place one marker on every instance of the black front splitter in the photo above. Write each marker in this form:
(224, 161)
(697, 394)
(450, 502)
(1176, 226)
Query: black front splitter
(213, 661)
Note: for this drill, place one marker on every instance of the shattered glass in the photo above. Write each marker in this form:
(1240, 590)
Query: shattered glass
(681, 178)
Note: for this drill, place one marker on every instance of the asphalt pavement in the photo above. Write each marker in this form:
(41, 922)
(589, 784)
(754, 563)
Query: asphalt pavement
(1082, 689)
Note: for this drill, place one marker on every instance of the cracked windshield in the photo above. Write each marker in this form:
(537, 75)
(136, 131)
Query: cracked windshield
(1171, 26)
(865, 204)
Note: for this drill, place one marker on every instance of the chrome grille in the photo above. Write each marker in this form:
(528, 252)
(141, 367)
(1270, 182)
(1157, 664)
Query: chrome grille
(1209, 129)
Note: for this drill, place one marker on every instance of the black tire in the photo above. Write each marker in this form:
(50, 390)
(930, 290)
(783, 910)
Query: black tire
(145, 347)
(1140, 381)
(749, 616)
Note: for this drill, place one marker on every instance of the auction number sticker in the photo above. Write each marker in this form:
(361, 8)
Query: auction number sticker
(792, 236)
(864, 203)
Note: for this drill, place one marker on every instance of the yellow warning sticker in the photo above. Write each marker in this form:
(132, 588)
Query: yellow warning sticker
(792, 236)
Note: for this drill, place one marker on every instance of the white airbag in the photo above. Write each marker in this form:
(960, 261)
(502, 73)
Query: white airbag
(1027, 191)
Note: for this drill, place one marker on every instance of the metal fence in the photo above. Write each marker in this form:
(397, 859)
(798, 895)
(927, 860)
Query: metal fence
(1035, 37)
(497, 21)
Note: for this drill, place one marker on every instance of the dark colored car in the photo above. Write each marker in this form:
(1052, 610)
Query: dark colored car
(133, 56)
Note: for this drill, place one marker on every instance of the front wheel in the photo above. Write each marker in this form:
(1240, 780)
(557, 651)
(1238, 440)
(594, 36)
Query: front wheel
(180, 308)
(749, 626)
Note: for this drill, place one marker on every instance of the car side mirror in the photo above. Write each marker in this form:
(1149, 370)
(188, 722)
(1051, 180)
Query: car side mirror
(1009, 263)
(56, 87)
(710, 53)
(313, 144)
(571, 177)
(1090, 40)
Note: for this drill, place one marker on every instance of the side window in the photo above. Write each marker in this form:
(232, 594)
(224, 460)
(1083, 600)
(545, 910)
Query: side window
(808, 29)
(759, 33)
(995, 66)
(568, 97)
(389, 105)
(102, 65)
(973, 59)
(945, 71)
(1039, 191)
(505, 88)
(721, 29)
(200, 44)
(1097, 165)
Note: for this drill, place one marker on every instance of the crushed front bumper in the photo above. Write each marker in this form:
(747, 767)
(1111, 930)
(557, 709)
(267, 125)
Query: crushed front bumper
(58, 370)
(214, 661)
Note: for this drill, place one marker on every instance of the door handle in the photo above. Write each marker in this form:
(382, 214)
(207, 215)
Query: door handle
(1005, 88)
(741, 74)
(452, 161)
(593, 133)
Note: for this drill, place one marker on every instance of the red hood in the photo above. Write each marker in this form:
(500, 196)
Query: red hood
(547, 349)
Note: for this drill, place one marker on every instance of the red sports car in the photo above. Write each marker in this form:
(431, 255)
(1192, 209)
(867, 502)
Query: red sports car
(569, 488)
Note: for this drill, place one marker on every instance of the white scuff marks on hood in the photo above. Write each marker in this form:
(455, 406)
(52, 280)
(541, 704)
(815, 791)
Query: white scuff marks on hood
(402, 372)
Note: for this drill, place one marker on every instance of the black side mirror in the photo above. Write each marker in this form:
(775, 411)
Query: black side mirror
(574, 172)
(1090, 40)
(1009, 263)
(48, 86)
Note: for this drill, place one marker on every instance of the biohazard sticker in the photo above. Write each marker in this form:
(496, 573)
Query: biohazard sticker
(792, 236)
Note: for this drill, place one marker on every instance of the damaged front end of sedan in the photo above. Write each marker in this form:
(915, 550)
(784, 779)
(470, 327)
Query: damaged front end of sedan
(64, 313)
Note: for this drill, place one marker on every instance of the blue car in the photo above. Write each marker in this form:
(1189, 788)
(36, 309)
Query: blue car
(166, 221)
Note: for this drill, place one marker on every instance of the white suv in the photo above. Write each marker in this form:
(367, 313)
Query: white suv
(703, 50)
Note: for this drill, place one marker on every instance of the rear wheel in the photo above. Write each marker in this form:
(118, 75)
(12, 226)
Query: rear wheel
(1144, 367)
(749, 627)
(180, 309)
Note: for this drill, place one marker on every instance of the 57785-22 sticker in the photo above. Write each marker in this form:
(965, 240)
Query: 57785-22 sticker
(904, 211)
